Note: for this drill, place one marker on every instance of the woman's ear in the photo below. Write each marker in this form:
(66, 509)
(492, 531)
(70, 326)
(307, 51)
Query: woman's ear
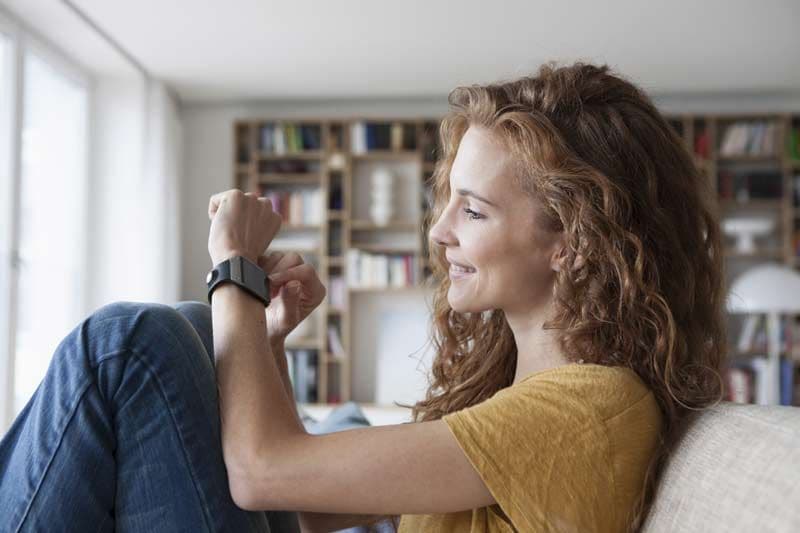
(560, 257)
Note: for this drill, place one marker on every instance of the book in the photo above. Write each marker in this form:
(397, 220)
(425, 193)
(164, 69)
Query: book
(335, 342)
(748, 332)
(787, 373)
(739, 385)
(762, 384)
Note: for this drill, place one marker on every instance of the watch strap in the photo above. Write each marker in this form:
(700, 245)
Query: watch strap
(241, 272)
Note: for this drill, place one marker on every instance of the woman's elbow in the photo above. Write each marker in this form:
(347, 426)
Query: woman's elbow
(242, 494)
(248, 484)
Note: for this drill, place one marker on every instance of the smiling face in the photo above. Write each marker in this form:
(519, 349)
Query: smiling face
(500, 258)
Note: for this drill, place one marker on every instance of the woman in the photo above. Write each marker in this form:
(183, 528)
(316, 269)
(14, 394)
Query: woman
(577, 322)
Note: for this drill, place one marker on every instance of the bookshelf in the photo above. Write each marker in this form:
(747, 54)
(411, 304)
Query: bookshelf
(318, 169)
(317, 172)
(753, 162)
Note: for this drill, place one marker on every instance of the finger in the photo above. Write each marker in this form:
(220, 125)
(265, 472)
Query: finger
(291, 291)
(289, 260)
(214, 203)
(268, 262)
(266, 201)
(303, 273)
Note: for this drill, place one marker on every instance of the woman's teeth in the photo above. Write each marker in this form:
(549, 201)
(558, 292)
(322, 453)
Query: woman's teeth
(456, 268)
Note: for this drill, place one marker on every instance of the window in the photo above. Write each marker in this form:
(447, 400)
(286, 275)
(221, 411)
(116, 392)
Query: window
(6, 219)
(52, 211)
(44, 128)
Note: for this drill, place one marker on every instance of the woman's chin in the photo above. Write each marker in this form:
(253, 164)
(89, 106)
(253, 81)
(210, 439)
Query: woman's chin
(465, 305)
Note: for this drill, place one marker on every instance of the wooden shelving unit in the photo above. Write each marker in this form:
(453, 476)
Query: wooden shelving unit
(329, 161)
(752, 182)
(332, 166)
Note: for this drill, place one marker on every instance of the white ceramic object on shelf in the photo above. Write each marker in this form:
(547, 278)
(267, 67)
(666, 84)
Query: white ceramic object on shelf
(746, 229)
(381, 207)
(769, 289)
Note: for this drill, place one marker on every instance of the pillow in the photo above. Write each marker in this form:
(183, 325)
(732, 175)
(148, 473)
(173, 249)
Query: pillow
(346, 416)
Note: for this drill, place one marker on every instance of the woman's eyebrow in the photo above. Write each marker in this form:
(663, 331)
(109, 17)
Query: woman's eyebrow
(467, 192)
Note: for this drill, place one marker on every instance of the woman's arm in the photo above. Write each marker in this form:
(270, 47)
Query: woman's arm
(279, 352)
(272, 462)
(317, 522)
(256, 415)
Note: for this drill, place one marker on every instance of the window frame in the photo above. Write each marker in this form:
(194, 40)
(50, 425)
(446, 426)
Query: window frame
(24, 41)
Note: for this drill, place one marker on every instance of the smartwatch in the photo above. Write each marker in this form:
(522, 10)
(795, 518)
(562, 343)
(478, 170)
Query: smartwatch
(242, 272)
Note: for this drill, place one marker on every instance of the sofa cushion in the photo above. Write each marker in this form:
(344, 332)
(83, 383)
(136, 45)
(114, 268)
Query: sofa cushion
(345, 416)
(736, 468)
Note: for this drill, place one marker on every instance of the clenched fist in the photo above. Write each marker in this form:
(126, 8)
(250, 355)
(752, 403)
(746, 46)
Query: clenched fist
(241, 224)
(244, 224)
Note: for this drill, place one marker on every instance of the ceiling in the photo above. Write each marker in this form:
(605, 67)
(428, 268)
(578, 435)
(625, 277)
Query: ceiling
(263, 49)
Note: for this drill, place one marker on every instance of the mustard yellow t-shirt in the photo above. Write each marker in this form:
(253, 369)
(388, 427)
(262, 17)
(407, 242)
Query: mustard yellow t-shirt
(564, 449)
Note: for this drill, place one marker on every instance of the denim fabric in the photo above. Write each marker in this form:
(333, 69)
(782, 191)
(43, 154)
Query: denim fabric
(123, 432)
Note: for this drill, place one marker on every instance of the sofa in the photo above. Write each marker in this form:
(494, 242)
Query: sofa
(736, 468)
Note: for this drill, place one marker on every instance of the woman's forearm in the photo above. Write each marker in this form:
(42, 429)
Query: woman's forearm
(279, 353)
(256, 415)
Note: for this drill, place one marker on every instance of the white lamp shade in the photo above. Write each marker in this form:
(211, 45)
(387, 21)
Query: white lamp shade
(768, 288)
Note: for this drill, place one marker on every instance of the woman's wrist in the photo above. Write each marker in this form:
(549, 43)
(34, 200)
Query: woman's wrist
(220, 256)
(278, 344)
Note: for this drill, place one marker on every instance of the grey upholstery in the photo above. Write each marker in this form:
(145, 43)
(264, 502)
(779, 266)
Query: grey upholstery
(737, 468)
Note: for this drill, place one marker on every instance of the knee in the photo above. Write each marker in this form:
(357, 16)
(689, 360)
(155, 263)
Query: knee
(137, 314)
(137, 324)
(149, 328)
(195, 312)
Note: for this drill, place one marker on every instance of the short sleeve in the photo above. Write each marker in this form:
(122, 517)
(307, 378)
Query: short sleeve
(543, 454)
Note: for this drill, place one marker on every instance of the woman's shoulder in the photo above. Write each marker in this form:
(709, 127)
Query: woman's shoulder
(606, 390)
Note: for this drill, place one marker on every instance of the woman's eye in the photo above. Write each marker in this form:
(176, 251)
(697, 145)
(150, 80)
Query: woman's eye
(472, 215)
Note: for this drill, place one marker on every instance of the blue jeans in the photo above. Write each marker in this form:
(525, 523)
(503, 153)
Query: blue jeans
(123, 433)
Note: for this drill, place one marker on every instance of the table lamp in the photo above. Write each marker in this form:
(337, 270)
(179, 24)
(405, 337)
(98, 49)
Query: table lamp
(770, 289)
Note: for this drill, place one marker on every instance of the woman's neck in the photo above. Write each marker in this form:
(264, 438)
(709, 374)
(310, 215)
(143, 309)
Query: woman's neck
(537, 348)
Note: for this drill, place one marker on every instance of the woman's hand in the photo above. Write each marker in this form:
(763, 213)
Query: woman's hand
(241, 224)
(295, 291)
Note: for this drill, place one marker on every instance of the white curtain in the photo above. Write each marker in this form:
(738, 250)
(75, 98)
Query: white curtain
(161, 176)
(135, 252)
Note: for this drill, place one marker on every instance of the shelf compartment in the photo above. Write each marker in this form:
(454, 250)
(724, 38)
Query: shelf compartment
(289, 178)
(734, 205)
(384, 248)
(310, 154)
(387, 154)
(303, 344)
(368, 225)
(759, 254)
(301, 227)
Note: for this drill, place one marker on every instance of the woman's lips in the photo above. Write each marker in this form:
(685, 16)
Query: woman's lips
(460, 272)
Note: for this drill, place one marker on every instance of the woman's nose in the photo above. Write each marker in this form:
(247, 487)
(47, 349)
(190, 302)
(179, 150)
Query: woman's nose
(440, 233)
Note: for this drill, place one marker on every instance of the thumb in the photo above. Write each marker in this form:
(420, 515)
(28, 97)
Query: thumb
(290, 292)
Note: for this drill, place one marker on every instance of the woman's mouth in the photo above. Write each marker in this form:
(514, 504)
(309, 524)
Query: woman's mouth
(460, 272)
